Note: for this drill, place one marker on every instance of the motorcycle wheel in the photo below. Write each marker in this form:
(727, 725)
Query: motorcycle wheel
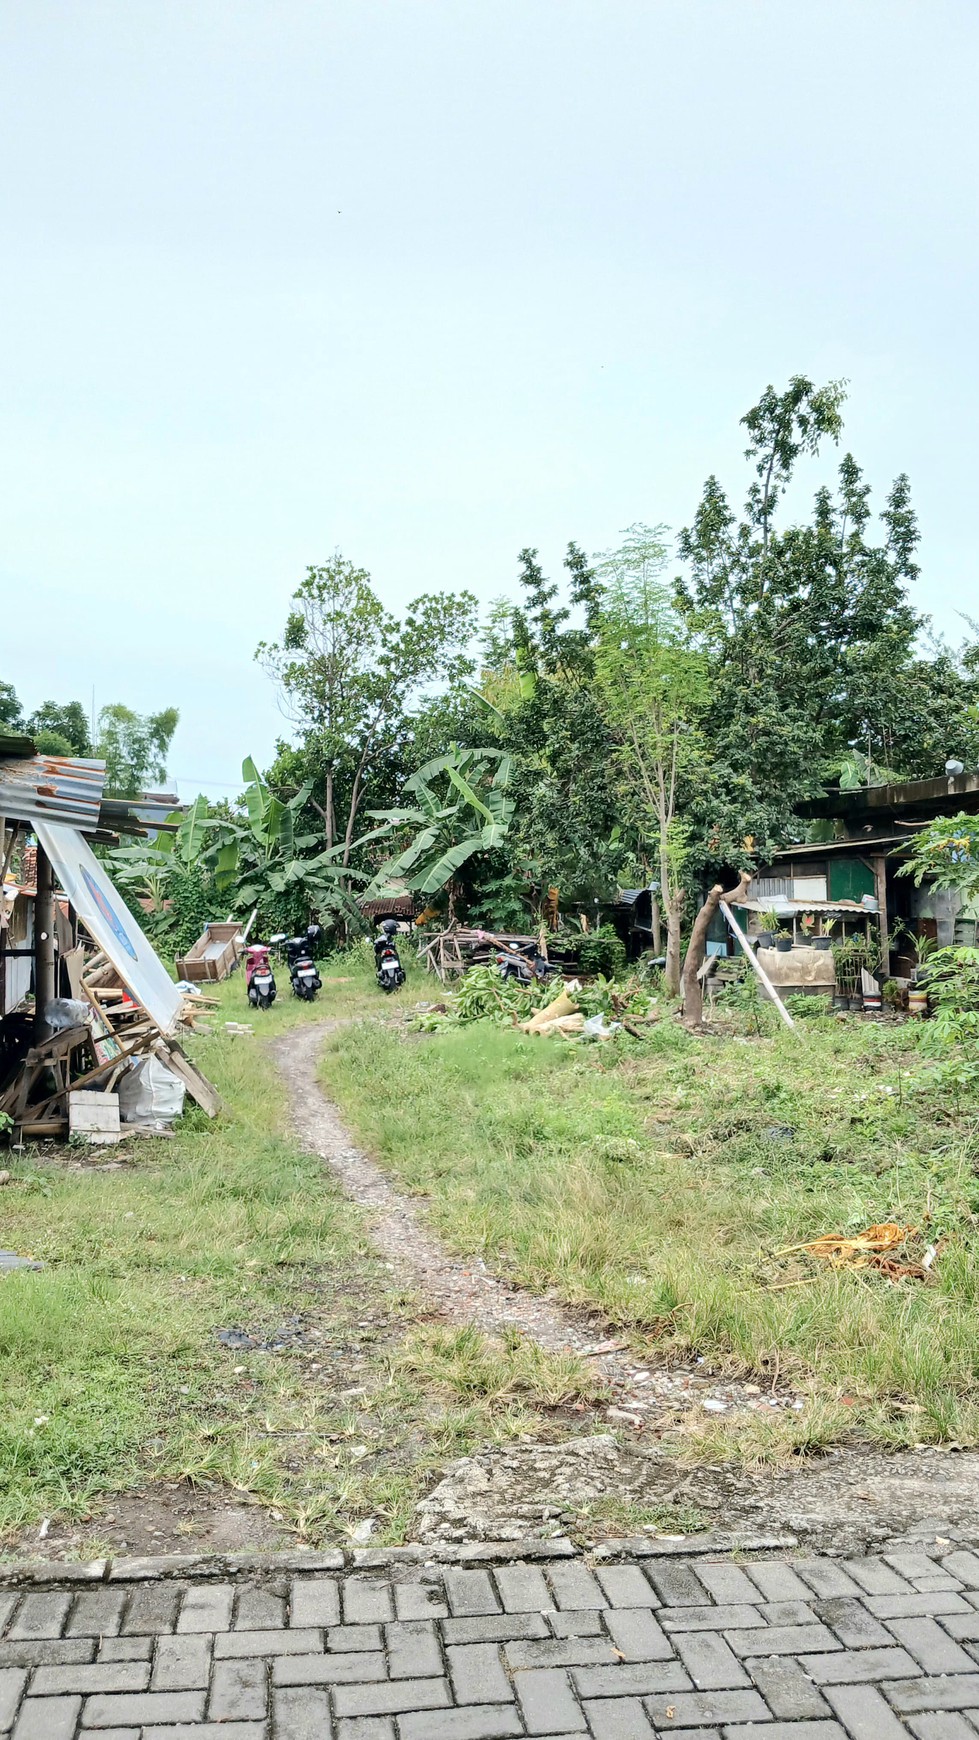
(387, 987)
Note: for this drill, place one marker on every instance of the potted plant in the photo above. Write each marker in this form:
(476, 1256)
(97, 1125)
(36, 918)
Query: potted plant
(807, 925)
(783, 941)
(768, 922)
(824, 941)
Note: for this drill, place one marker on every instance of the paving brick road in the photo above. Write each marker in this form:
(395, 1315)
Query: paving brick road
(788, 1648)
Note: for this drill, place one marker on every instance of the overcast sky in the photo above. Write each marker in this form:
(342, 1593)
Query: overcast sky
(429, 280)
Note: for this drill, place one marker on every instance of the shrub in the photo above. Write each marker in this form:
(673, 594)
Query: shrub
(602, 951)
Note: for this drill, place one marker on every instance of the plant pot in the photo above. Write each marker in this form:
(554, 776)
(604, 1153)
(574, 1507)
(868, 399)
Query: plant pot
(822, 943)
(840, 1001)
(765, 939)
(783, 944)
(918, 1004)
(855, 1004)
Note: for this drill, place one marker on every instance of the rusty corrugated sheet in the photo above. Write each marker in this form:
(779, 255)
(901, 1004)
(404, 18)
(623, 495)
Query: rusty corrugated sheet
(52, 788)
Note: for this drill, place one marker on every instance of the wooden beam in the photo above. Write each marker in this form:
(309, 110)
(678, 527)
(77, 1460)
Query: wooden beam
(44, 971)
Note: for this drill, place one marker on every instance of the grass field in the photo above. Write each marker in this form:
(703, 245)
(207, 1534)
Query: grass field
(110, 1368)
(658, 1181)
(662, 1181)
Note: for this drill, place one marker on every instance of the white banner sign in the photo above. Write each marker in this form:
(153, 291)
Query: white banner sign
(109, 920)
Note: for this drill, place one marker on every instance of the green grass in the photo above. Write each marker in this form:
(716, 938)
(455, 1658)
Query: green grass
(110, 1370)
(661, 1182)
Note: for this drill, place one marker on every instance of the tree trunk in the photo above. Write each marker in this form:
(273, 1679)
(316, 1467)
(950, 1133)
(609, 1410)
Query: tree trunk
(674, 911)
(693, 990)
(330, 817)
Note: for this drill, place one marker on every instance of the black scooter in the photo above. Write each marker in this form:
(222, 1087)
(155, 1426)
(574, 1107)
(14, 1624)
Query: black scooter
(525, 965)
(303, 976)
(390, 972)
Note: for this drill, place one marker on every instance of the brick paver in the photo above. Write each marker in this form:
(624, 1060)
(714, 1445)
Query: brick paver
(704, 1648)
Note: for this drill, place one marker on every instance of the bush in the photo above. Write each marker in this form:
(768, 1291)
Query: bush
(602, 951)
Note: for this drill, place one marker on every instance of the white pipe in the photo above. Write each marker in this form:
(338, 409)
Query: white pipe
(756, 963)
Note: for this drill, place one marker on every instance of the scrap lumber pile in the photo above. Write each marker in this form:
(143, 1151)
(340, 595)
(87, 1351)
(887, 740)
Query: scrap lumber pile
(450, 952)
(52, 1091)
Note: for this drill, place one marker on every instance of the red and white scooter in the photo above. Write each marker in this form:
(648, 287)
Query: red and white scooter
(259, 978)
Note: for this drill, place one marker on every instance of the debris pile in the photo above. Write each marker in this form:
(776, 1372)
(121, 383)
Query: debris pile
(871, 1249)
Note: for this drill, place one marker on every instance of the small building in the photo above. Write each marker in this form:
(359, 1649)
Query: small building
(853, 875)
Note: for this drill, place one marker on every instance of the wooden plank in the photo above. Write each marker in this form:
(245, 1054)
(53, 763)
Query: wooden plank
(199, 1088)
(880, 889)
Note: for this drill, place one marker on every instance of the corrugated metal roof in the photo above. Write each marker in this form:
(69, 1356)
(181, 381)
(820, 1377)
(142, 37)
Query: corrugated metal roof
(52, 788)
(16, 743)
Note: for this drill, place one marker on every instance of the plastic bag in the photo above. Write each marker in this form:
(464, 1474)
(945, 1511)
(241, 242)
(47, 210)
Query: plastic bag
(150, 1093)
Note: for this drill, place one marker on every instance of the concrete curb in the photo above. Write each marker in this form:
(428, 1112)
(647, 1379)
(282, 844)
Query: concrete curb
(224, 1566)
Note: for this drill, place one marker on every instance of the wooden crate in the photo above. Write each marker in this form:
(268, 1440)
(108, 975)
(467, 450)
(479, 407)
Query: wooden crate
(214, 954)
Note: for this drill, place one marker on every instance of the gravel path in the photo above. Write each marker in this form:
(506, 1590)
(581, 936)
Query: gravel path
(462, 1289)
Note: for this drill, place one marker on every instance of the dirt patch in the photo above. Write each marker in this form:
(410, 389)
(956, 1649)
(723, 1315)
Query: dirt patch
(173, 1517)
(845, 1500)
(465, 1291)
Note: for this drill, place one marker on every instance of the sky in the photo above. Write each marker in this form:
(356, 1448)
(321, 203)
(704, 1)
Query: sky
(427, 281)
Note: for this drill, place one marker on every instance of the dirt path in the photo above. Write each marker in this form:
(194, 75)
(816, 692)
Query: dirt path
(462, 1289)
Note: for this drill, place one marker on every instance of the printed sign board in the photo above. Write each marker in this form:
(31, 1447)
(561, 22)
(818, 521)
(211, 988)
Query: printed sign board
(109, 920)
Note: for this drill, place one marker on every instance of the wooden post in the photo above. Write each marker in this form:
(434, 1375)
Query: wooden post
(44, 971)
(880, 889)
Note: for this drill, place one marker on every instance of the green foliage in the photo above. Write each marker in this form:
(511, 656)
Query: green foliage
(68, 721)
(52, 743)
(946, 853)
(349, 673)
(471, 814)
(259, 862)
(953, 1034)
(481, 994)
(11, 717)
(810, 637)
(602, 951)
(134, 747)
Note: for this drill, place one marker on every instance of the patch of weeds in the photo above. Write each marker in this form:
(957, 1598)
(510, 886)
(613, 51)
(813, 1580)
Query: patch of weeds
(467, 1363)
(622, 1516)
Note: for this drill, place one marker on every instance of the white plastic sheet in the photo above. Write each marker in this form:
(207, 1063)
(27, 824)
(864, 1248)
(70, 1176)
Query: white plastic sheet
(110, 922)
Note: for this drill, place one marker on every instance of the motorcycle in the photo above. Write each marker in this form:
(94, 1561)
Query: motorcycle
(390, 972)
(525, 965)
(259, 978)
(303, 977)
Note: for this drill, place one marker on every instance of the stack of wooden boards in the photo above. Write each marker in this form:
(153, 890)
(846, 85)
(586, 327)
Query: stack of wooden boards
(91, 1057)
(452, 951)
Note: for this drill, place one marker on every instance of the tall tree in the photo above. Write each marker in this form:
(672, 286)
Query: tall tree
(549, 719)
(348, 672)
(808, 628)
(652, 689)
(134, 747)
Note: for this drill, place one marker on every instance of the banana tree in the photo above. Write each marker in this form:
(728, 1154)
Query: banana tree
(260, 860)
(470, 814)
(148, 867)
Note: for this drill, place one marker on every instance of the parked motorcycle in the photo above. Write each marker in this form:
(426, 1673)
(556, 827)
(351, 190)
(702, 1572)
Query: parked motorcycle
(259, 978)
(525, 965)
(390, 972)
(303, 977)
